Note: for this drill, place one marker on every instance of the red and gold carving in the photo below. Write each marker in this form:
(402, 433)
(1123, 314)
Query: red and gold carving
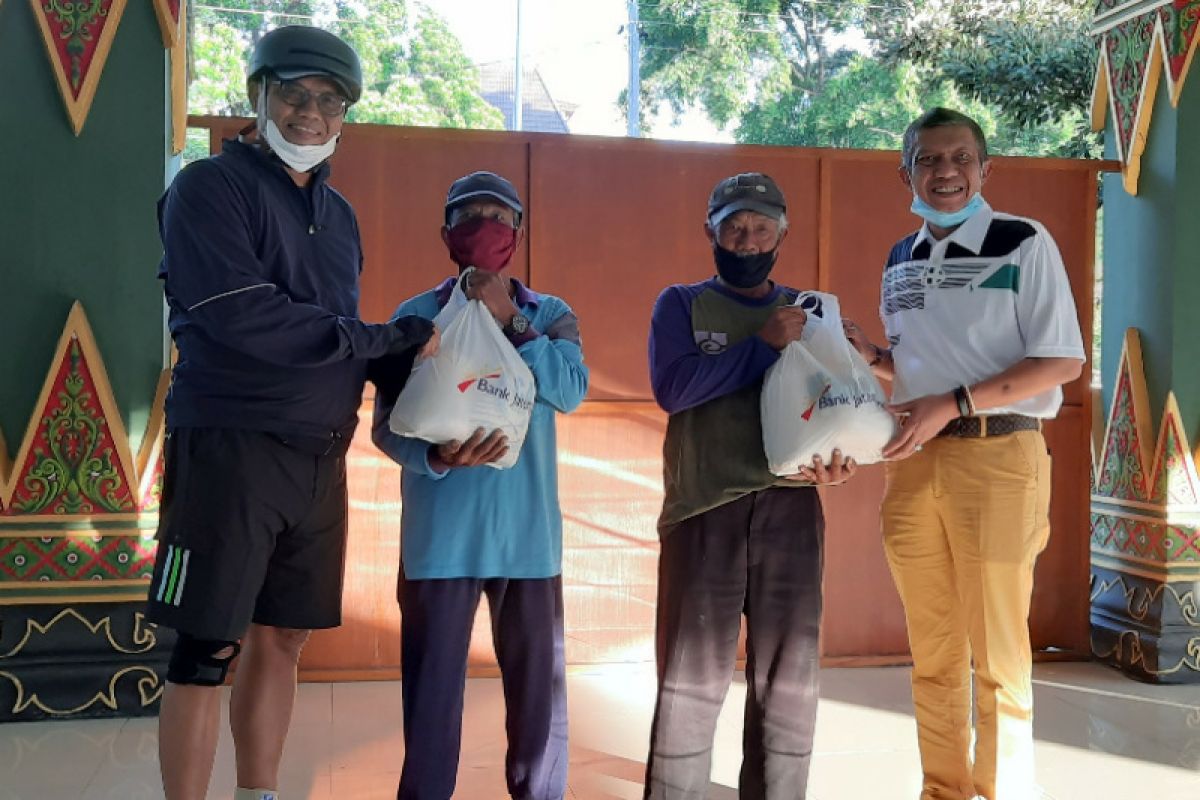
(1145, 505)
(1175, 482)
(78, 35)
(74, 462)
(1136, 40)
(1122, 473)
(77, 512)
(170, 20)
(150, 456)
(5, 467)
(179, 80)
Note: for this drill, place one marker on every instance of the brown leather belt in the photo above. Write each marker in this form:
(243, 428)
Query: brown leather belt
(993, 425)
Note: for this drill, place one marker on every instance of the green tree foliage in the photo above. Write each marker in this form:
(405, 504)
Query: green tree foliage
(868, 104)
(1034, 59)
(723, 53)
(415, 70)
(778, 71)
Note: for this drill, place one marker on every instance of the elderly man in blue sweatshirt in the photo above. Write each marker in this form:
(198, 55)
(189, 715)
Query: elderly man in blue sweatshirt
(469, 530)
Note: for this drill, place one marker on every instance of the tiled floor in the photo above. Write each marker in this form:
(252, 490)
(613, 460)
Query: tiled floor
(1100, 736)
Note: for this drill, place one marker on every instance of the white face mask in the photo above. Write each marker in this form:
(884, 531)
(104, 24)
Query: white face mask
(300, 157)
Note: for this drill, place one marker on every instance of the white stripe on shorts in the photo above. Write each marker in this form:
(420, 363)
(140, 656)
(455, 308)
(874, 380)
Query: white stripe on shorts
(166, 573)
(182, 577)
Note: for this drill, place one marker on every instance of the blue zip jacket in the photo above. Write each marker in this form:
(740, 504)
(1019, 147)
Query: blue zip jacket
(480, 522)
(261, 280)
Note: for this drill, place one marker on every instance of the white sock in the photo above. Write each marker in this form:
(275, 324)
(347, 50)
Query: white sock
(255, 794)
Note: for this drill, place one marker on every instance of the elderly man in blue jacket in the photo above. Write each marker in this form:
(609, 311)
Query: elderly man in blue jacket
(470, 530)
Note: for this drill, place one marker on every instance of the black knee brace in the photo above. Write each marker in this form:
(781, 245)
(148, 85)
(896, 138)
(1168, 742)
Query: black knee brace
(195, 661)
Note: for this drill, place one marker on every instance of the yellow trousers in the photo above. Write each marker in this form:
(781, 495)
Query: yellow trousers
(963, 523)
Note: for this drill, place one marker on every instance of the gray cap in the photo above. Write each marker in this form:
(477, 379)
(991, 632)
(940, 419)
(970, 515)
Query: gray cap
(748, 191)
(483, 184)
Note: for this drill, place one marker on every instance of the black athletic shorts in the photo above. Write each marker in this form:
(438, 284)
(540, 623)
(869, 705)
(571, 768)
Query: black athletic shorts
(252, 529)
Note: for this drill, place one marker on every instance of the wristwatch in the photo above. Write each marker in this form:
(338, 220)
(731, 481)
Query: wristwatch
(517, 325)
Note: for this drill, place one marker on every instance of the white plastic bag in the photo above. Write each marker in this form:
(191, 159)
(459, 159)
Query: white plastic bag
(821, 395)
(476, 380)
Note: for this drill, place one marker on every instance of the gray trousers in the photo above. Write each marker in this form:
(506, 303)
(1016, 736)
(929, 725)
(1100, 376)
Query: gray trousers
(761, 556)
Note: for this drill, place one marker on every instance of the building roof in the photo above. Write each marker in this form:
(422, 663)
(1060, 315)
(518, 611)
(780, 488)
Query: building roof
(540, 111)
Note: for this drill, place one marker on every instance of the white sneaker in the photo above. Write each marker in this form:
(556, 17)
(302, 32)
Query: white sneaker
(255, 794)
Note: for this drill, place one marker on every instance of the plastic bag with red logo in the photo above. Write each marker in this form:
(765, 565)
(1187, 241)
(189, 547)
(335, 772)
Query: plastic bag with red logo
(476, 380)
(821, 395)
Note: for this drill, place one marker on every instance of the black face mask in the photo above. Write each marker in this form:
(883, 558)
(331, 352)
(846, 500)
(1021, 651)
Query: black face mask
(743, 272)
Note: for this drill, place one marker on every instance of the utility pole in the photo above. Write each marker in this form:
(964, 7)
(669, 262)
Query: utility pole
(634, 95)
(518, 72)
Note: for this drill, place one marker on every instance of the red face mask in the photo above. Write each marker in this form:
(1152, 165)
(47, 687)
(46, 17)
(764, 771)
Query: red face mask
(485, 244)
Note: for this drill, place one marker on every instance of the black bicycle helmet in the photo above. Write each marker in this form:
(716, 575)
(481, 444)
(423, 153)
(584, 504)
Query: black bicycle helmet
(298, 51)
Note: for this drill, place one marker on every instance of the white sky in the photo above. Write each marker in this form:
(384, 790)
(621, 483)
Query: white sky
(579, 48)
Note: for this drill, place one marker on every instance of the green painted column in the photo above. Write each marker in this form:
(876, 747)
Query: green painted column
(77, 214)
(77, 224)
(1185, 283)
(1140, 243)
(1145, 512)
(1153, 242)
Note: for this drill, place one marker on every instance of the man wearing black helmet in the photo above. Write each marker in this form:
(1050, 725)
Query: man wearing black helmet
(260, 270)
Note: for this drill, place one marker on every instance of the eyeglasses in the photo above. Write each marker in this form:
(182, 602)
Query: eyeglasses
(330, 104)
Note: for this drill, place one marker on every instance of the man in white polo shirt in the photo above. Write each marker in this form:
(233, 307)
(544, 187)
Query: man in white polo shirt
(982, 333)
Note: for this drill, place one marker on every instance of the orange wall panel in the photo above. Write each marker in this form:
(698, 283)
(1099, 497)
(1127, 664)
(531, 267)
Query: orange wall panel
(397, 185)
(610, 483)
(1061, 579)
(863, 615)
(610, 223)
